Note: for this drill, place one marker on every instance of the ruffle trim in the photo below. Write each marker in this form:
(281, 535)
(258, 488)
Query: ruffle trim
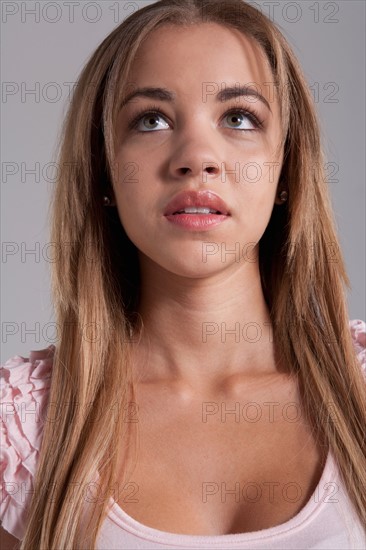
(24, 389)
(358, 333)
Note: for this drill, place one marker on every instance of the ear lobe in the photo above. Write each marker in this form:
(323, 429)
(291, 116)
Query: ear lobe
(277, 200)
(281, 197)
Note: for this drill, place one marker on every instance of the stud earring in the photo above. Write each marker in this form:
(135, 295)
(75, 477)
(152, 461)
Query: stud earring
(283, 196)
(106, 201)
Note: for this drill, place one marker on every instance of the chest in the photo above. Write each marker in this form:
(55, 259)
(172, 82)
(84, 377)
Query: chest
(220, 466)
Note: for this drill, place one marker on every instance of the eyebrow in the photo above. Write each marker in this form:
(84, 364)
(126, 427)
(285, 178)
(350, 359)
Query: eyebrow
(226, 94)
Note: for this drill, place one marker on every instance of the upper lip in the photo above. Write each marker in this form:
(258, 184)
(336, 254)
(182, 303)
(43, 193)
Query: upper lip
(196, 198)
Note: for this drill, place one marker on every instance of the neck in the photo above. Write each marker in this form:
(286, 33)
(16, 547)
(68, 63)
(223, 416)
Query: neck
(203, 332)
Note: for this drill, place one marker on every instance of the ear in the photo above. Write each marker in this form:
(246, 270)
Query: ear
(109, 192)
(281, 191)
(277, 200)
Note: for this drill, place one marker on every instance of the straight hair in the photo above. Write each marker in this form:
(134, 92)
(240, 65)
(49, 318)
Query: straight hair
(95, 283)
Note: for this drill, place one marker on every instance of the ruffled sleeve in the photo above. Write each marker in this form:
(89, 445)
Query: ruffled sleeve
(358, 333)
(24, 389)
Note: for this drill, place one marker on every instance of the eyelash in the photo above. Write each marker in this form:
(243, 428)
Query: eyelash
(155, 110)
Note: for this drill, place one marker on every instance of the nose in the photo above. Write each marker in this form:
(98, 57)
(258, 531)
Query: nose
(195, 159)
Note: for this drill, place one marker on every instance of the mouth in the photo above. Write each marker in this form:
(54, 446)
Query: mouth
(197, 210)
(197, 203)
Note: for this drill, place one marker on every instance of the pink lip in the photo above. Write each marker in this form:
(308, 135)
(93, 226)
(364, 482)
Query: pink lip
(207, 198)
(196, 222)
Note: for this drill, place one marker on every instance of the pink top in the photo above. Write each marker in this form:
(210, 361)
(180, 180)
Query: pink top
(328, 520)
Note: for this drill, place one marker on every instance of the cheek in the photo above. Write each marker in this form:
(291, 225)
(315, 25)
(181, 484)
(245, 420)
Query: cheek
(132, 207)
(256, 177)
(254, 215)
(261, 200)
(134, 198)
(255, 196)
(253, 160)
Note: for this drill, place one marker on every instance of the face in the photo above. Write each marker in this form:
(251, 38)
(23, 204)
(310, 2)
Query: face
(201, 138)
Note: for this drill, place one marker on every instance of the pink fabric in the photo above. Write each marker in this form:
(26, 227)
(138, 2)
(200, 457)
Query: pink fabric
(24, 388)
(24, 385)
(358, 333)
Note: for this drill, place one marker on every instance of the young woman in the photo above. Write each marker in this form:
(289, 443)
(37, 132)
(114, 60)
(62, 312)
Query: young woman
(207, 389)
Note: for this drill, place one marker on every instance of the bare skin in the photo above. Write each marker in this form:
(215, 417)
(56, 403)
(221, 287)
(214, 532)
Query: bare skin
(179, 367)
(192, 454)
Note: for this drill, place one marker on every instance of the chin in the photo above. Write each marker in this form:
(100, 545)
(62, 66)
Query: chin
(191, 269)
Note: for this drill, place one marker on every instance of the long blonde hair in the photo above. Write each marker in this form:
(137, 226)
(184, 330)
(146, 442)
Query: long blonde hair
(95, 282)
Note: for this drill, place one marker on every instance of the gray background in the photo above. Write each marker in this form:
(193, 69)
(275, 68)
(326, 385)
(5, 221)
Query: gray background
(45, 51)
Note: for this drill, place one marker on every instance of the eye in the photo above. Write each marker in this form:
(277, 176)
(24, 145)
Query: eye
(242, 116)
(152, 119)
(148, 121)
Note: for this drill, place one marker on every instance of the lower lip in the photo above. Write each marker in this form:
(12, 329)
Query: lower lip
(197, 222)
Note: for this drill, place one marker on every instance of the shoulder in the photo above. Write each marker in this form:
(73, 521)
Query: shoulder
(24, 389)
(358, 333)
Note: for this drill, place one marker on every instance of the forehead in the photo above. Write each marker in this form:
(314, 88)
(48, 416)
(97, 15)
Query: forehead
(183, 58)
